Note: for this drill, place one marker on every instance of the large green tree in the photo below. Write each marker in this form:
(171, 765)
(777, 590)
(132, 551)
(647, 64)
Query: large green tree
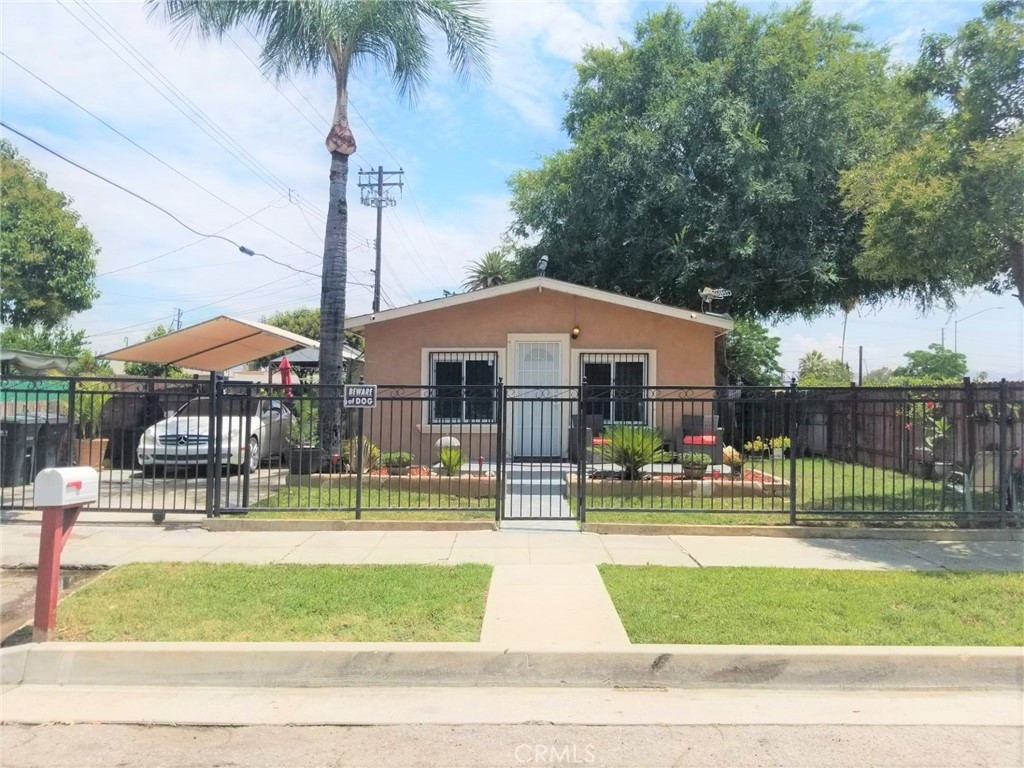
(48, 263)
(337, 36)
(816, 370)
(936, 364)
(305, 321)
(946, 212)
(751, 356)
(707, 152)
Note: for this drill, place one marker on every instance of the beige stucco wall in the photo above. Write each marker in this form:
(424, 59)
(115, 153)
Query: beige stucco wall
(681, 354)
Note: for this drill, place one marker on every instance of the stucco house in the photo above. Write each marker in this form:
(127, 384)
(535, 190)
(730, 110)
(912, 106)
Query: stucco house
(541, 337)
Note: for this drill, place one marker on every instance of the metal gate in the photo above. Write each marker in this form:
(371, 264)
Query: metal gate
(543, 467)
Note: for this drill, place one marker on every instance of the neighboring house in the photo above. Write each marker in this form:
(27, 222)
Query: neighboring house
(305, 364)
(541, 337)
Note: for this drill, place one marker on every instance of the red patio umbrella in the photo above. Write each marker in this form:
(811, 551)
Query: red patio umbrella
(286, 376)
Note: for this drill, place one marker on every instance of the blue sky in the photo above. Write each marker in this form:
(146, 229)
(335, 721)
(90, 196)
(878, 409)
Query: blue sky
(457, 145)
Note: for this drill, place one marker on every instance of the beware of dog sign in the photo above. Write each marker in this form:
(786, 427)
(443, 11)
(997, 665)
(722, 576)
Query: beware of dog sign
(360, 395)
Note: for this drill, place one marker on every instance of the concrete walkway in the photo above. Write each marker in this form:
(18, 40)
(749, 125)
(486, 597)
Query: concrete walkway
(107, 545)
(550, 606)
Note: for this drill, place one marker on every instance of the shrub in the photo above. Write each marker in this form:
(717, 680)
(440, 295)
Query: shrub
(632, 448)
(90, 397)
(451, 459)
(732, 457)
(350, 451)
(765, 444)
(396, 459)
(695, 460)
(304, 426)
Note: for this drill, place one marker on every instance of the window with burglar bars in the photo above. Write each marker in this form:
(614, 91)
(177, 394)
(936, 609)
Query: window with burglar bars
(462, 384)
(615, 386)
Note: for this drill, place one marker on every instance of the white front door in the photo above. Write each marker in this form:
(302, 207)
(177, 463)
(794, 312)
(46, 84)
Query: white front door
(538, 426)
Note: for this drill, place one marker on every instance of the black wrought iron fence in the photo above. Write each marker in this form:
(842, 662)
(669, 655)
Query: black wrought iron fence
(610, 450)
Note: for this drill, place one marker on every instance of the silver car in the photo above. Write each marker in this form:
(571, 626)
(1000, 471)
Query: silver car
(182, 440)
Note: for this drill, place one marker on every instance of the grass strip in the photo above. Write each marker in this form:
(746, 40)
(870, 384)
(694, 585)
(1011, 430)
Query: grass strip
(795, 606)
(234, 602)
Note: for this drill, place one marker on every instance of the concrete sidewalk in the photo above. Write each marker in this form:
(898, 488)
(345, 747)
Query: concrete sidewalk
(550, 606)
(108, 545)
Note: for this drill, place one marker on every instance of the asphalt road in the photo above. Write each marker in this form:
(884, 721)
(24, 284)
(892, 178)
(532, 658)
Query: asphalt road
(412, 746)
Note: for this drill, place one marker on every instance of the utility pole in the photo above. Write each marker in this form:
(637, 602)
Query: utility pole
(860, 366)
(375, 192)
(176, 324)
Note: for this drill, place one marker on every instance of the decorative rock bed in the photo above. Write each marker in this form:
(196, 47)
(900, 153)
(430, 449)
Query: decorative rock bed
(469, 485)
(750, 483)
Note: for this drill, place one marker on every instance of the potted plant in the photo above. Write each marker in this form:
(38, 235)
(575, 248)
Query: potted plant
(350, 455)
(694, 465)
(631, 448)
(732, 458)
(757, 445)
(303, 456)
(396, 462)
(779, 446)
(90, 447)
(937, 434)
(450, 460)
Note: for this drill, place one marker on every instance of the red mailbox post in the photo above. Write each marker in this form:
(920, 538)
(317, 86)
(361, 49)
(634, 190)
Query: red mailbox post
(61, 492)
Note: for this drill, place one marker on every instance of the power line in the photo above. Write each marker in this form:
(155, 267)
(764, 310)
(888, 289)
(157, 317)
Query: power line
(179, 94)
(182, 248)
(242, 248)
(151, 154)
(170, 101)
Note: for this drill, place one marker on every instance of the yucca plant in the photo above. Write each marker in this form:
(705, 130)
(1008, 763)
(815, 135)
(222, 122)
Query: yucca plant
(632, 448)
(451, 460)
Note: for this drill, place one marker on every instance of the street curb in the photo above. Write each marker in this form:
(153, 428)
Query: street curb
(339, 665)
(805, 532)
(241, 524)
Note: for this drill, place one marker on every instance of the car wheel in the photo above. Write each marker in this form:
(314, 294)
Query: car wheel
(254, 454)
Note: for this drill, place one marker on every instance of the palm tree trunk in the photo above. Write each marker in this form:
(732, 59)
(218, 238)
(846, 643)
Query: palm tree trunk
(332, 307)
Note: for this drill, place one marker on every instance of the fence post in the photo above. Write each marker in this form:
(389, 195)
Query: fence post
(217, 434)
(246, 436)
(72, 407)
(359, 459)
(499, 449)
(1004, 458)
(211, 450)
(794, 425)
(581, 452)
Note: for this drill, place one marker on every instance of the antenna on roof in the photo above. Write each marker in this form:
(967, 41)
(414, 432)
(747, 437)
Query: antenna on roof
(709, 295)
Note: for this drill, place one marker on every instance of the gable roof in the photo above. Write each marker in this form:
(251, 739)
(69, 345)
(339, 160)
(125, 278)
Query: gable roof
(541, 284)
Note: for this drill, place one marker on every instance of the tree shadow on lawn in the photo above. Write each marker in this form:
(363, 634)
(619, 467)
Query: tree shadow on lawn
(934, 556)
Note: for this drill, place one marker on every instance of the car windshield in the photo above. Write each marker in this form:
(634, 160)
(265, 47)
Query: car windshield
(232, 406)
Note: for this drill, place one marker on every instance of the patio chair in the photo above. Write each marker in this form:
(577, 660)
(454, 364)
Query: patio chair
(594, 425)
(699, 434)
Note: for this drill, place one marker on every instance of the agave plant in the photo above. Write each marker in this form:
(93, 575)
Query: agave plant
(632, 448)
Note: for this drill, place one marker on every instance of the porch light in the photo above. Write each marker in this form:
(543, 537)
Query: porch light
(576, 332)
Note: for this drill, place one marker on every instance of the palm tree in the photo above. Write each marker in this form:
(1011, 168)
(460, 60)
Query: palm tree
(336, 35)
(493, 268)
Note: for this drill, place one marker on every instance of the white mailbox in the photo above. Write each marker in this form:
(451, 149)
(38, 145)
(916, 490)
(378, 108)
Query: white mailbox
(66, 487)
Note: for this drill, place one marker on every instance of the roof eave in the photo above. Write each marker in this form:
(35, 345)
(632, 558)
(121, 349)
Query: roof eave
(361, 321)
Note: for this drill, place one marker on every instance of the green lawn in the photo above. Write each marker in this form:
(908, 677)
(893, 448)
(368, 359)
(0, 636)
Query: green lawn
(331, 504)
(821, 484)
(229, 602)
(784, 606)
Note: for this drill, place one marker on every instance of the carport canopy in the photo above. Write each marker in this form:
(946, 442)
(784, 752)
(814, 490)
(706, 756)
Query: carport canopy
(215, 345)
